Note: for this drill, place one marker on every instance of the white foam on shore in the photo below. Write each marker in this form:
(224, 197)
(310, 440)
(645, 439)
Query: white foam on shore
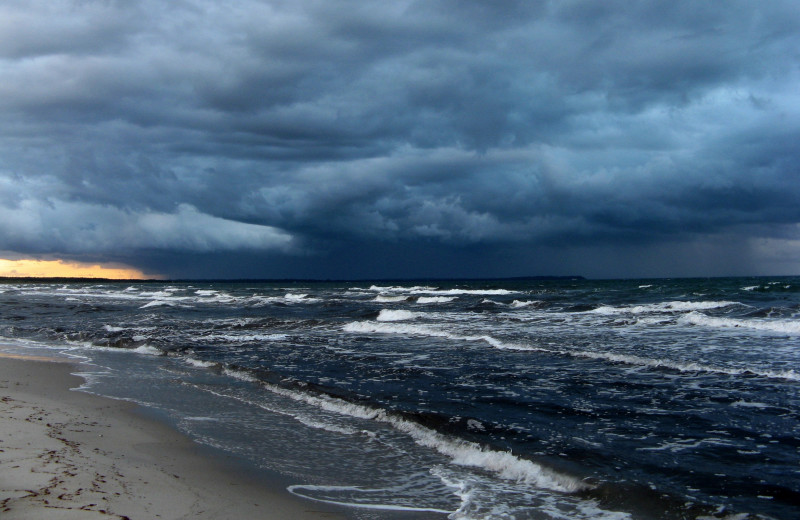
(147, 349)
(199, 363)
(461, 452)
(297, 491)
(241, 375)
(396, 315)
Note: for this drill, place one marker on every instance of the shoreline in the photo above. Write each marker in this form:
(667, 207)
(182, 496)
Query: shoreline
(68, 454)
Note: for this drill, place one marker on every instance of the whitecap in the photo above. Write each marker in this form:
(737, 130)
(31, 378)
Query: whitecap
(672, 306)
(147, 349)
(628, 359)
(435, 299)
(749, 404)
(111, 328)
(393, 328)
(199, 363)
(461, 452)
(240, 338)
(485, 292)
(239, 374)
(396, 315)
(776, 326)
(390, 299)
(518, 304)
(299, 298)
(158, 303)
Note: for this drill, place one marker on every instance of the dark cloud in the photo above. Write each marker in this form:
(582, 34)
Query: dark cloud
(352, 139)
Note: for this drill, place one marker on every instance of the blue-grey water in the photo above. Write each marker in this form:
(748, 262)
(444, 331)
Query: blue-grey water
(540, 399)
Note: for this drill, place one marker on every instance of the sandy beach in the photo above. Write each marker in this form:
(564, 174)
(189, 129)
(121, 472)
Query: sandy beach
(70, 455)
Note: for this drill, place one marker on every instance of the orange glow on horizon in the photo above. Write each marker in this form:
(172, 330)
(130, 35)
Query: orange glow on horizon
(66, 269)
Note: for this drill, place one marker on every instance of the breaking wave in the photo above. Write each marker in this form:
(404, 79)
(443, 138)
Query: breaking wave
(627, 359)
(778, 326)
(396, 315)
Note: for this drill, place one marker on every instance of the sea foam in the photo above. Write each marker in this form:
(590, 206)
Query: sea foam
(461, 452)
(396, 315)
(436, 299)
(611, 357)
(778, 326)
(673, 306)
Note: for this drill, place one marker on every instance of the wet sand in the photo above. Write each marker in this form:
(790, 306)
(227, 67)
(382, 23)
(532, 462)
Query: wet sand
(71, 455)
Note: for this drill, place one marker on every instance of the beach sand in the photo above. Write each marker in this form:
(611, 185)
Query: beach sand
(71, 455)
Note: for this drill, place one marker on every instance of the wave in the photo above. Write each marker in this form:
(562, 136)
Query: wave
(519, 304)
(440, 292)
(298, 489)
(299, 298)
(241, 338)
(200, 363)
(111, 328)
(148, 350)
(486, 292)
(673, 306)
(396, 315)
(390, 299)
(391, 328)
(461, 452)
(158, 303)
(436, 299)
(627, 359)
(395, 288)
(779, 326)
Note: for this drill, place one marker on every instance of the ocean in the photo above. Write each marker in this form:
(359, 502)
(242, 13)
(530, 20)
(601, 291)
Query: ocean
(514, 399)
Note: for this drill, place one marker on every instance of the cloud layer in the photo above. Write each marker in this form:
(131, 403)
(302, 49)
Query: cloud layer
(492, 138)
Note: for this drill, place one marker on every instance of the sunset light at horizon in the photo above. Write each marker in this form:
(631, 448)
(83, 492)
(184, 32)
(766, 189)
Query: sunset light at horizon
(63, 268)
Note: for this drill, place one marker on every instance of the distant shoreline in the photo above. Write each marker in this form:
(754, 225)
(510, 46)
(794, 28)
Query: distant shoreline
(537, 278)
(61, 279)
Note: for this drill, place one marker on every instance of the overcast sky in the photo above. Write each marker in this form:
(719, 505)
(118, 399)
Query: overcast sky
(358, 139)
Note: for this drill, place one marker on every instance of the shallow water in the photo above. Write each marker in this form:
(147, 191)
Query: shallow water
(499, 399)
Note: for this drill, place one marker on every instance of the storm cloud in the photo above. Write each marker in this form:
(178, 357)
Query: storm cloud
(403, 138)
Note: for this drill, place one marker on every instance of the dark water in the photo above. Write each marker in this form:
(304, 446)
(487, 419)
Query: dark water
(502, 399)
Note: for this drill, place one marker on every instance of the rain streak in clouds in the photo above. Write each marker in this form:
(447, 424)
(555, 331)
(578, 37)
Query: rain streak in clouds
(431, 138)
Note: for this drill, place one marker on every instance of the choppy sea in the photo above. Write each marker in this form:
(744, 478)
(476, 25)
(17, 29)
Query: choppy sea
(515, 399)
